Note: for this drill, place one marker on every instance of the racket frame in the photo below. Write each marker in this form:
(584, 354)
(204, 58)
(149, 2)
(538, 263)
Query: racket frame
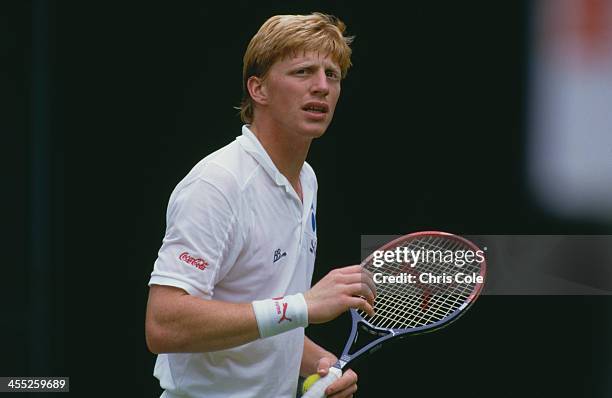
(387, 334)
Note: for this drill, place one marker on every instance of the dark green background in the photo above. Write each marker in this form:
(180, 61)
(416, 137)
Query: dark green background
(107, 105)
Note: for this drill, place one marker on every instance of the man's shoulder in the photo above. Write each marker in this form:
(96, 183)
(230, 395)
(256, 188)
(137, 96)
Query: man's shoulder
(228, 169)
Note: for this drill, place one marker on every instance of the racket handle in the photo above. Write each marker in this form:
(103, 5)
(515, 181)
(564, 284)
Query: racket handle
(318, 389)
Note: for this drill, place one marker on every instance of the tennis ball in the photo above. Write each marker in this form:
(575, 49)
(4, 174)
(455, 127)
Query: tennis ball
(310, 380)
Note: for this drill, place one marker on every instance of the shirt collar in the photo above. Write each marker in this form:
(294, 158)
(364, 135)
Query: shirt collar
(251, 144)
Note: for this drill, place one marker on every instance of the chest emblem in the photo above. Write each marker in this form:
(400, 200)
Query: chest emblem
(278, 254)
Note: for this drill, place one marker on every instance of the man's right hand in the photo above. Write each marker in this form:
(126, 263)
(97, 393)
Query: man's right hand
(341, 289)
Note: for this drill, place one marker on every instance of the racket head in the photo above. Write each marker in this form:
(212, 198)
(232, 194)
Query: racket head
(409, 308)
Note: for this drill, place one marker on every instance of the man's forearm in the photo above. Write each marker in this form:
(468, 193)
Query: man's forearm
(179, 322)
(311, 356)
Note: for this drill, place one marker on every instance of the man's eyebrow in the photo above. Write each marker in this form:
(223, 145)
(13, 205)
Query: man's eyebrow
(309, 63)
(304, 62)
(333, 66)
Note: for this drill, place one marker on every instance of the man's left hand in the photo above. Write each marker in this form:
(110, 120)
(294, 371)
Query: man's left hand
(344, 387)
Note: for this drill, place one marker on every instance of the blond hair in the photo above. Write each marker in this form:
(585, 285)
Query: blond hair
(283, 35)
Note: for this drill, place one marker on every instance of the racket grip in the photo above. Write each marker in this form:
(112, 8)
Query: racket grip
(318, 389)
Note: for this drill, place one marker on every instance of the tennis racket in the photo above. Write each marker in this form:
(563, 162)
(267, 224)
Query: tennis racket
(431, 285)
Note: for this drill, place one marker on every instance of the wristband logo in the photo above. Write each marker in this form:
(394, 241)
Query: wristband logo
(282, 313)
(196, 262)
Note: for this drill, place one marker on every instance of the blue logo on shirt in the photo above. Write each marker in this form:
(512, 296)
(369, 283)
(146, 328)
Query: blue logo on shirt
(313, 246)
(313, 220)
(278, 255)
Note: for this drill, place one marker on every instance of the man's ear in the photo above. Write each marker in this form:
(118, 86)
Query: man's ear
(257, 90)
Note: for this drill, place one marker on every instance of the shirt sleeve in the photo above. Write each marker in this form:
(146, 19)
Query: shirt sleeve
(201, 230)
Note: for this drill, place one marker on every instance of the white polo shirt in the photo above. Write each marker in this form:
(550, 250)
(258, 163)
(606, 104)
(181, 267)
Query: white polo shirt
(237, 231)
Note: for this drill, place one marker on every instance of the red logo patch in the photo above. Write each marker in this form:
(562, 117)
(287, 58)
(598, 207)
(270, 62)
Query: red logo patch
(284, 316)
(196, 262)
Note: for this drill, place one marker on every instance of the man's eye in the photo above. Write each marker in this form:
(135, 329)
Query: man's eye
(300, 72)
(332, 74)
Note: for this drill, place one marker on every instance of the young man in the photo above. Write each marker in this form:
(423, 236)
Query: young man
(230, 291)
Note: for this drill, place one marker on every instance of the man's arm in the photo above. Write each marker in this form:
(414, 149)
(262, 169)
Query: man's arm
(179, 322)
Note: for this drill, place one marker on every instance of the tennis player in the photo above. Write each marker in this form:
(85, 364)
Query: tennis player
(230, 293)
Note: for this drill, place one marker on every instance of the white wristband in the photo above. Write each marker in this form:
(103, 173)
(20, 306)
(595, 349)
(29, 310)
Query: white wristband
(280, 314)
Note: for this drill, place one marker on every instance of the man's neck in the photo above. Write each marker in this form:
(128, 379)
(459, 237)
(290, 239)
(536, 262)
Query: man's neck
(287, 151)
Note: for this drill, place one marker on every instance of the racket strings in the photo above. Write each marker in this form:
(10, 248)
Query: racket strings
(406, 311)
(410, 305)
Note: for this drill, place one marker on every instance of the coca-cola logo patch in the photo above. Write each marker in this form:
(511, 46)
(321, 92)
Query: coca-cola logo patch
(199, 263)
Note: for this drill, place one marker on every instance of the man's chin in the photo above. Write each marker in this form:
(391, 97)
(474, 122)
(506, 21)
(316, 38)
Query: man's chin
(315, 131)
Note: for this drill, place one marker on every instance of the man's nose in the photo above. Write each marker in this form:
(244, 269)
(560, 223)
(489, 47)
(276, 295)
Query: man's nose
(320, 84)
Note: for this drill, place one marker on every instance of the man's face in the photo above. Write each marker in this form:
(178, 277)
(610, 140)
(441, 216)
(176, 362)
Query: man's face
(302, 93)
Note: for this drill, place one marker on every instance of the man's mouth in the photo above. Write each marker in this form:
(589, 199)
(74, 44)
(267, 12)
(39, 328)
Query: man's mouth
(316, 108)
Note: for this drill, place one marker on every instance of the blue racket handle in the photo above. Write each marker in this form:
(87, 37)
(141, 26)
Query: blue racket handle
(318, 389)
